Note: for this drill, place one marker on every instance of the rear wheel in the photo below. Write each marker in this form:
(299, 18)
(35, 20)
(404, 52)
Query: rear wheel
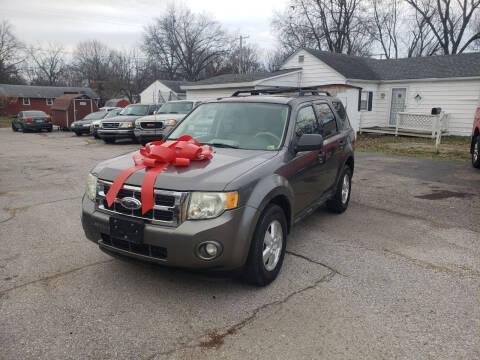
(14, 128)
(24, 130)
(476, 152)
(267, 249)
(339, 202)
(109, 140)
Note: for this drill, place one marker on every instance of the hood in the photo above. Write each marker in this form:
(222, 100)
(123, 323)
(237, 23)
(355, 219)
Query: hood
(162, 117)
(122, 118)
(209, 175)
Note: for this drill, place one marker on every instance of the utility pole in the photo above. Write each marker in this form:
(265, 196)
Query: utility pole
(240, 56)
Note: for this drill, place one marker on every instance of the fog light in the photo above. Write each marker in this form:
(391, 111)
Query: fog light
(209, 250)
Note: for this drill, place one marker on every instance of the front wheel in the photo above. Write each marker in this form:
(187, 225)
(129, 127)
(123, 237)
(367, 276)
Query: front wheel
(339, 203)
(267, 249)
(77, 133)
(109, 140)
(476, 152)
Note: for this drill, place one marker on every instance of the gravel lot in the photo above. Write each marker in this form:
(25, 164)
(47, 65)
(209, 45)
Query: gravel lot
(396, 276)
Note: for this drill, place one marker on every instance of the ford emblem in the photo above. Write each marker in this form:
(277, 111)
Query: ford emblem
(131, 203)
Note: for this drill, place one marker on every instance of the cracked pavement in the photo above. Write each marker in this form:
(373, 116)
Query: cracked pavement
(396, 276)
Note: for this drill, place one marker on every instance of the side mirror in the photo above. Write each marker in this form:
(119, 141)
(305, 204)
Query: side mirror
(309, 142)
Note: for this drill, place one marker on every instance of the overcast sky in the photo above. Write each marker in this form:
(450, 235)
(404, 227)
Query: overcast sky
(120, 23)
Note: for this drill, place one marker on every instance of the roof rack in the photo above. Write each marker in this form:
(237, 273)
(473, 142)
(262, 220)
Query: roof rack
(301, 92)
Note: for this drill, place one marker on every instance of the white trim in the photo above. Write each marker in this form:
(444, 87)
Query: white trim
(236, 84)
(23, 101)
(415, 80)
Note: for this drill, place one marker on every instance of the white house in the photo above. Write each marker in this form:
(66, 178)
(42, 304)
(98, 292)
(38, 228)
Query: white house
(161, 91)
(372, 90)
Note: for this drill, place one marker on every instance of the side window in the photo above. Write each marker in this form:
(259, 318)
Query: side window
(342, 114)
(328, 125)
(306, 122)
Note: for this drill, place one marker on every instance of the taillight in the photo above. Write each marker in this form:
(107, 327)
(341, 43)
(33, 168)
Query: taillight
(48, 119)
(29, 120)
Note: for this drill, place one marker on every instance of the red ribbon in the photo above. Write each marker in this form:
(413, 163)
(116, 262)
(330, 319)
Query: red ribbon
(156, 156)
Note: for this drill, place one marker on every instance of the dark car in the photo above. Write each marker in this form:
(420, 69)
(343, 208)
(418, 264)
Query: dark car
(32, 120)
(83, 126)
(122, 125)
(276, 158)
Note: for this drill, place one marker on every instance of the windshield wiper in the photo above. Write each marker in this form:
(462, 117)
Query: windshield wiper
(222, 145)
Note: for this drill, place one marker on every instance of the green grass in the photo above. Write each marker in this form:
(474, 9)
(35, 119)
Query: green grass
(5, 122)
(451, 147)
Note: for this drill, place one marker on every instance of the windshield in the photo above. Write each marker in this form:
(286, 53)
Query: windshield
(34, 113)
(135, 110)
(176, 108)
(253, 126)
(113, 113)
(95, 115)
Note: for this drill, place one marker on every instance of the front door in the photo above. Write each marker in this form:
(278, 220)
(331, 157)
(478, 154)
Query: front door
(398, 104)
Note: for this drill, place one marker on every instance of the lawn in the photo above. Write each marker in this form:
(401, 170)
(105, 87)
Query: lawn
(5, 122)
(451, 148)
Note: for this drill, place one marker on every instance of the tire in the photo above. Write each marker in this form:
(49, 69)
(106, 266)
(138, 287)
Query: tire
(339, 203)
(23, 129)
(476, 152)
(109, 140)
(14, 128)
(50, 129)
(77, 133)
(257, 271)
(96, 136)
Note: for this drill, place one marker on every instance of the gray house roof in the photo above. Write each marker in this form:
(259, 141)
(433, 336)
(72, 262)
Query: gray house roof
(28, 91)
(241, 78)
(174, 85)
(440, 66)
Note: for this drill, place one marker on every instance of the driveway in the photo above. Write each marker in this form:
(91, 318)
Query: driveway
(396, 276)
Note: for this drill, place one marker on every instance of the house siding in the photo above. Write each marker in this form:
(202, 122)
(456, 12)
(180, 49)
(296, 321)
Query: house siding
(314, 71)
(457, 98)
(35, 104)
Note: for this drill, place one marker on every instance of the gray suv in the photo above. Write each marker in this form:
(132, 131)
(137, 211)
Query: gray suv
(122, 125)
(277, 156)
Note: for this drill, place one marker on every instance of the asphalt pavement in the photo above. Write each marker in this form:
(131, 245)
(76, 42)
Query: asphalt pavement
(396, 276)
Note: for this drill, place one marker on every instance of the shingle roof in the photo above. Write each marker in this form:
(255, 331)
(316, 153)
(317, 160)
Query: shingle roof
(175, 85)
(63, 102)
(440, 66)
(43, 91)
(241, 78)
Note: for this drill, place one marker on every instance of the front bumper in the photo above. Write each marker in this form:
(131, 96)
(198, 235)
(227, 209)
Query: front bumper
(81, 129)
(116, 134)
(233, 230)
(143, 135)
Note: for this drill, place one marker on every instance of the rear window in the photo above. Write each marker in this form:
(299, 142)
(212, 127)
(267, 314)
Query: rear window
(34, 113)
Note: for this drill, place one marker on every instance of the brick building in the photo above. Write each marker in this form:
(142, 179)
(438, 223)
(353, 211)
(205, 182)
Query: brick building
(16, 98)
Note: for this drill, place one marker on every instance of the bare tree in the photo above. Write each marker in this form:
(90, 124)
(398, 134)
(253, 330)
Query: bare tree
(450, 22)
(275, 59)
(340, 26)
(386, 30)
(10, 58)
(47, 66)
(420, 40)
(186, 44)
(250, 60)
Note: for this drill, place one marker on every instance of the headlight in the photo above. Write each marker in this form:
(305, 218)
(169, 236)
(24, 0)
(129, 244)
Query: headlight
(170, 122)
(207, 205)
(126, 125)
(91, 188)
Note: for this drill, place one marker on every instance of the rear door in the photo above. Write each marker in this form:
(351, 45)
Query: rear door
(333, 144)
(305, 167)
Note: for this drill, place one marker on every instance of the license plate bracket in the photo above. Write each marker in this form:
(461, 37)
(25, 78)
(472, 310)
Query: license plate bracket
(127, 229)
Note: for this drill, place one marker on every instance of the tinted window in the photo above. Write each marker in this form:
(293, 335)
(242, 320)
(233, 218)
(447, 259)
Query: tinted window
(34, 113)
(327, 121)
(342, 113)
(306, 122)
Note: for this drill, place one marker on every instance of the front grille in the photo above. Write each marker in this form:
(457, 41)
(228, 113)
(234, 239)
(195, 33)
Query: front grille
(151, 125)
(110, 125)
(156, 252)
(169, 208)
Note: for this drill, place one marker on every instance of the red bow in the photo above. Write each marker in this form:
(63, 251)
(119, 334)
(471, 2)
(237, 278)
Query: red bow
(156, 156)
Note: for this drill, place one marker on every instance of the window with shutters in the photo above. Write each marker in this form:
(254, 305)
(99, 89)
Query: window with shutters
(365, 103)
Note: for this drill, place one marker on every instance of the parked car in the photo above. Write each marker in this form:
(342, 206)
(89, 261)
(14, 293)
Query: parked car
(83, 126)
(475, 147)
(122, 125)
(157, 126)
(32, 120)
(276, 158)
(95, 124)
